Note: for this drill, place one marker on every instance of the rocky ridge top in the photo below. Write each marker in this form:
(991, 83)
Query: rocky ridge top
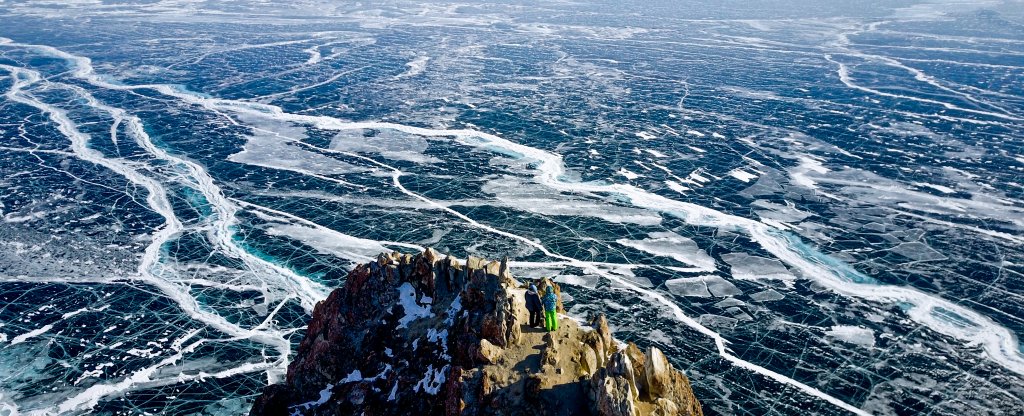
(422, 334)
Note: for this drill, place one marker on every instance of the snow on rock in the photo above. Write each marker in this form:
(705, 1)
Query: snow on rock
(413, 310)
(432, 380)
(325, 394)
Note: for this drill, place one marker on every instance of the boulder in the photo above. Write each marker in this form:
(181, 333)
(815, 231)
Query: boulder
(489, 353)
(549, 355)
(431, 256)
(600, 325)
(274, 401)
(515, 332)
(619, 365)
(610, 395)
(665, 407)
(453, 403)
(638, 360)
(475, 263)
(536, 383)
(657, 373)
(588, 360)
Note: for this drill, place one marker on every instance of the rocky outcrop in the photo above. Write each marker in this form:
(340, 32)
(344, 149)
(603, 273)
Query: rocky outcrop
(426, 334)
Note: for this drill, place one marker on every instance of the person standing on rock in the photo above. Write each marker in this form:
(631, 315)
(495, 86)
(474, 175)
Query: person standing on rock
(550, 309)
(534, 305)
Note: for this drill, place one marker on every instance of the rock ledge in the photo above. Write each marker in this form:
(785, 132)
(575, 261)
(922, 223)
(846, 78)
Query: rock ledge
(428, 334)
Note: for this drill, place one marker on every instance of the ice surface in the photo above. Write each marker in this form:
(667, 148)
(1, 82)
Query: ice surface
(331, 242)
(852, 334)
(918, 251)
(767, 296)
(675, 246)
(689, 286)
(702, 286)
(747, 267)
(389, 144)
(742, 175)
(179, 192)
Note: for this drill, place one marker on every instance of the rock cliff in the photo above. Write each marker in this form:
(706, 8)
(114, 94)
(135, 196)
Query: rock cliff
(427, 334)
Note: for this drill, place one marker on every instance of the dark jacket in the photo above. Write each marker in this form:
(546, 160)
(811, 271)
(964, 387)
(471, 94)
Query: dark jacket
(532, 301)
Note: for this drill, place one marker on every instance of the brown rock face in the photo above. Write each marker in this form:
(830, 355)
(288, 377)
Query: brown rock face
(646, 384)
(426, 334)
(489, 353)
(610, 396)
(668, 384)
(659, 380)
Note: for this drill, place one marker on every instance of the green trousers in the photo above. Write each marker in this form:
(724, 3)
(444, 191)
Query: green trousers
(551, 320)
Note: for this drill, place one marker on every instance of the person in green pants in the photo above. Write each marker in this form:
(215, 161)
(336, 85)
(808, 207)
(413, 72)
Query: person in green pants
(550, 309)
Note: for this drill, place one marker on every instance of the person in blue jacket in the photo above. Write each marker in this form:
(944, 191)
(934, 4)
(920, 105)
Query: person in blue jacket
(533, 305)
(550, 305)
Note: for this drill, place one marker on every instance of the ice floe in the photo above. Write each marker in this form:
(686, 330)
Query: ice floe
(674, 246)
(852, 334)
(702, 286)
(748, 267)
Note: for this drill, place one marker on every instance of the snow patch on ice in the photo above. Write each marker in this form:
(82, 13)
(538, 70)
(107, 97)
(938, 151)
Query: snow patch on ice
(655, 153)
(799, 174)
(589, 282)
(416, 67)
(31, 334)
(688, 286)
(940, 188)
(742, 175)
(767, 296)
(918, 251)
(330, 242)
(852, 334)
(629, 175)
(645, 135)
(528, 196)
(676, 186)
